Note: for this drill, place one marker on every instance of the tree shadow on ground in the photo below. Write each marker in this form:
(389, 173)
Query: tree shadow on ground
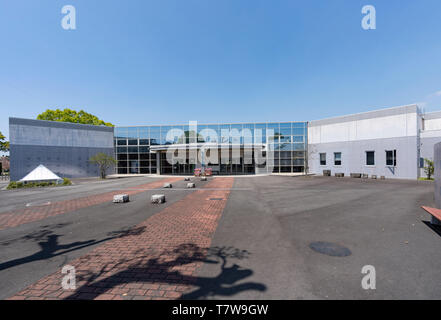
(163, 271)
(49, 246)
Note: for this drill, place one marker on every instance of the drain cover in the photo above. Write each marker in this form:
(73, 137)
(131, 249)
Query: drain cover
(330, 249)
(216, 198)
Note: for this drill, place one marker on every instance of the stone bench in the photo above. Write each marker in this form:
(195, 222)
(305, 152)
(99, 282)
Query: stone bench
(191, 185)
(435, 213)
(355, 175)
(327, 173)
(168, 185)
(365, 176)
(203, 178)
(339, 174)
(120, 198)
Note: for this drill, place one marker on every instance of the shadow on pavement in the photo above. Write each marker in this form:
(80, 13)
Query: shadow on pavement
(224, 284)
(49, 246)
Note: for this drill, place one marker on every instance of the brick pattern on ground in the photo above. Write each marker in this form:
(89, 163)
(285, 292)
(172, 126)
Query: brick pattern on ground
(158, 259)
(21, 216)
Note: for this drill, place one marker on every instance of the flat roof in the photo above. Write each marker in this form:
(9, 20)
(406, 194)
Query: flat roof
(413, 108)
(58, 124)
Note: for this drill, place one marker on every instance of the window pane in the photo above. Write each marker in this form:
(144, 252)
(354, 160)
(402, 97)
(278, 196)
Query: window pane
(122, 142)
(370, 158)
(133, 142)
(337, 158)
(323, 159)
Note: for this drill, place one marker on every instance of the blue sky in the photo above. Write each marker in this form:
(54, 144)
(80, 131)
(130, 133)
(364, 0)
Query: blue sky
(155, 62)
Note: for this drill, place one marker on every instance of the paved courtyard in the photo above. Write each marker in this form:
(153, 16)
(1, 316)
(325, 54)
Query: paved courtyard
(230, 238)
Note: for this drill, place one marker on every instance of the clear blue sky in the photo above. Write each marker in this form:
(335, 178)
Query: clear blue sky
(153, 62)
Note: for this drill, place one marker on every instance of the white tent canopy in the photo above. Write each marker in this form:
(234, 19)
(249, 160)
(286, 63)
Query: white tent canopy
(41, 173)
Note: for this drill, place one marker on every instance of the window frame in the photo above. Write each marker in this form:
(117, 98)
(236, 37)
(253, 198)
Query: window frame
(335, 159)
(394, 158)
(320, 158)
(366, 162)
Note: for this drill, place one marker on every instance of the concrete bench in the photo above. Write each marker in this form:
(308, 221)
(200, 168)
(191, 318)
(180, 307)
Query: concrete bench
(168, 185)
(158, 198)
(373, 176)
(120, 198)
(436, 215)
(191, 185)
(340, 175)
(327, 173)
(355, 175)
(365, 176)
(203, 178)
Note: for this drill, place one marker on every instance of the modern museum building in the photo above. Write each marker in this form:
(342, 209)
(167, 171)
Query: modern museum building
(390, 142)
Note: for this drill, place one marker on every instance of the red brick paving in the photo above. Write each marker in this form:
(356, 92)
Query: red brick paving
(160, 262)
(20, 216)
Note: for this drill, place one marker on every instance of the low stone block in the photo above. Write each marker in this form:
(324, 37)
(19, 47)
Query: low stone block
(120, 198)
(355, 175)
(168, 185)
(191, 185)
(203, 178)
(158, 198)
(382, 177)
(327, 173)
(374, 176)
(365, 176)
(339, 174)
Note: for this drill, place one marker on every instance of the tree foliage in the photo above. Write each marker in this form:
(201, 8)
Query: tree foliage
(104, 162)
(429, 169)
(4, 145)
(68, 115)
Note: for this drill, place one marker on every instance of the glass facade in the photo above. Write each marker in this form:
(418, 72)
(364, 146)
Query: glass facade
(134, 155)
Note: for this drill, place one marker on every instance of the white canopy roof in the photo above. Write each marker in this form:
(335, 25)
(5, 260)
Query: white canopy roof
(40, 173)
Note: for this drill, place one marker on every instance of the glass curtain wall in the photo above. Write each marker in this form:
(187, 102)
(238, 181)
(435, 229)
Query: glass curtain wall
(132, 147)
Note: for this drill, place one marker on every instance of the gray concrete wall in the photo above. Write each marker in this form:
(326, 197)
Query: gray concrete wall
(64, 148)
(354, 157)
(437, 164)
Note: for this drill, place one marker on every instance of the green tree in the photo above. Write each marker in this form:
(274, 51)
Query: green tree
(68, 115)
(104, 162)
(4, 145)
(429, 169)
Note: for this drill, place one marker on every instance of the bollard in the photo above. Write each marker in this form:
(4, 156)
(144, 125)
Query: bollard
(120, 198)
(158, 198)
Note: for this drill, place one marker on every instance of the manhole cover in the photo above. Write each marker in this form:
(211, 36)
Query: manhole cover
(330, 249)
